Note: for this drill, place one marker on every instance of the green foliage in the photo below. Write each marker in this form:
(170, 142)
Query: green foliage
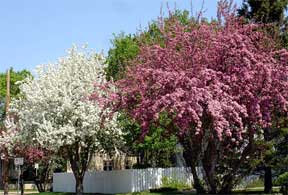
(168, 182)
(15, 76)
(277, 154)
(282, 181)
(264, 11)
(276, 148)
(153, 35)
(125, 48)
(156, 147)
(131, 130)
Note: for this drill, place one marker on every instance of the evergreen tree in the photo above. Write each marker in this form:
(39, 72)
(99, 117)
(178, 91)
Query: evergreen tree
(270, 12)
(264, 11)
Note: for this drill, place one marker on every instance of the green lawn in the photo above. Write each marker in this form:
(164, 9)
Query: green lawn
(252, 191)
(136, 193)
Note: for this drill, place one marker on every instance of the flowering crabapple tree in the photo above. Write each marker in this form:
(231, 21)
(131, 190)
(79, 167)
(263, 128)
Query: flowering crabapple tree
(8, 89)
(12, 147)
(55, 111)
(32, 155)
(4, 144)
(221, 84)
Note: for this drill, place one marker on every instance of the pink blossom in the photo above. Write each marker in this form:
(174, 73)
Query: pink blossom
(224, 79)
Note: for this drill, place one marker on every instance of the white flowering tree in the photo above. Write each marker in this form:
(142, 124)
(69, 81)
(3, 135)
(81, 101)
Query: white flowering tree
(55, 111)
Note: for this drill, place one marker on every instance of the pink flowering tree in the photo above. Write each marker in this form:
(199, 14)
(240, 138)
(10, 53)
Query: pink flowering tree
(220, 83)
(11, 146)
(46, 160)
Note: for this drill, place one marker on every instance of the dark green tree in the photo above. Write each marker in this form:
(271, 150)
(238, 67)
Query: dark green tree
(125, 48)
(264, 11)
(156, 149)
(15, 76)
(271, 12)
(280, 156)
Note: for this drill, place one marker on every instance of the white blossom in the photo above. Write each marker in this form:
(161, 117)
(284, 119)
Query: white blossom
(54, 110)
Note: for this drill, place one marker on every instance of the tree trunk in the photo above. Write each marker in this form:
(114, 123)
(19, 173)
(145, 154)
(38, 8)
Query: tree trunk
(209, 164)
(231, 179)
(5, 176)
(79, 185)
(78, 176)
(197, 183)
(190, 156)
(268, 180)
(267, 169)
(210, 177)
(79, 158)
(79, 161)
(227, 185)
(38, 184)
(6, 159)
(39, 178)
(21, 184)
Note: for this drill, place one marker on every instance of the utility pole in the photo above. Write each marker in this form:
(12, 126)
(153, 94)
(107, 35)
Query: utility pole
(8, 98)
(6, 158)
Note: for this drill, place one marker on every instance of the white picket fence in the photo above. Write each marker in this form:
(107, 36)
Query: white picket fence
(121, 181)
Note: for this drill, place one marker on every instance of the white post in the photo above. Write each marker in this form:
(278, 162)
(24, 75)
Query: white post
(36, 166)
(18, 162)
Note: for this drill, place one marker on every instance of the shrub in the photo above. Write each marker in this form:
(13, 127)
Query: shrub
(282, 181)
(171, 183)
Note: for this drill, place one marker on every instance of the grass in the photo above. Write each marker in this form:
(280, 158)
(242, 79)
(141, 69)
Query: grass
(256, 184)
(135, 193)
(256, 190)
(149, 193)
(250, 191)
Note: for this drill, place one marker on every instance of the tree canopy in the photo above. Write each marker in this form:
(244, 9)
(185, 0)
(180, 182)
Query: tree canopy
(219, 83)
(264, 11)
(121, 57)
(125, 48)
(55, 112)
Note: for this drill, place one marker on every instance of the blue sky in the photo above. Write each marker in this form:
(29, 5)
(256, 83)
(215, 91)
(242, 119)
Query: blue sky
(36, 32)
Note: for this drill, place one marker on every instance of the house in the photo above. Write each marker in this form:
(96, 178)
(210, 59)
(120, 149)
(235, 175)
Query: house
(104, 162)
